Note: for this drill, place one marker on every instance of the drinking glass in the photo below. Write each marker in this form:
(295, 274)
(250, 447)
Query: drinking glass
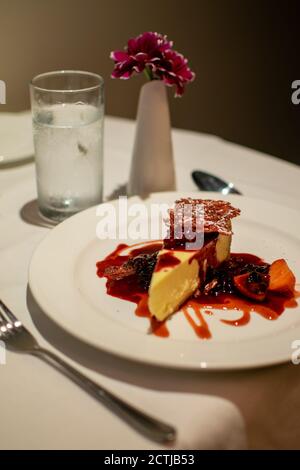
(68, 114)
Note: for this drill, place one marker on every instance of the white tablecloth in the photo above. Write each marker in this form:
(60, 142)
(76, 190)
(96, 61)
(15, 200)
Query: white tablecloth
(39, 408)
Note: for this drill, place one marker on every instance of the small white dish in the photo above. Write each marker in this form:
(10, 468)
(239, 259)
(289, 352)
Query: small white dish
(62, 278)
(16, 142)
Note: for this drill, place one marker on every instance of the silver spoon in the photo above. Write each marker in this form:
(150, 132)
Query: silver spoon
(208, 182)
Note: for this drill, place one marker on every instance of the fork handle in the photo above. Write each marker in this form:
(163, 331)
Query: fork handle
(147, 425)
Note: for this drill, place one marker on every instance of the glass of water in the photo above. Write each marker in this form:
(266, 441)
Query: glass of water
(68, 114)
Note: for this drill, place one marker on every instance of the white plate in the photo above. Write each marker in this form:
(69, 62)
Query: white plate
(63, 280)
(16, 142)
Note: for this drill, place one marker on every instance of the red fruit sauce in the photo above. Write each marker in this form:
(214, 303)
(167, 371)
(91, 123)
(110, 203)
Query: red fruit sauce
(165, 261)
(203, 305)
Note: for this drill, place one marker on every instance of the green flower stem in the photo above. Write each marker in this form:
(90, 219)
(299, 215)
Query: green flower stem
(148, 74)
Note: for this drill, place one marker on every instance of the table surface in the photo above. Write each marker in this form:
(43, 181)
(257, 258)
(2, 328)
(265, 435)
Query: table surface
(41, 409)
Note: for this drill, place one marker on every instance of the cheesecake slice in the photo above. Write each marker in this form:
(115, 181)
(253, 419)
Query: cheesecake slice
(179, 272)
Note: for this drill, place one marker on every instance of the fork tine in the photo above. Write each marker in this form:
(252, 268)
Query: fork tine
(11, 317)
(3, 320)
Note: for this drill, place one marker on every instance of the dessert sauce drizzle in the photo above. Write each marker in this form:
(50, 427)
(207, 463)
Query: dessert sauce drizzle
(129, 289)
(166, 260)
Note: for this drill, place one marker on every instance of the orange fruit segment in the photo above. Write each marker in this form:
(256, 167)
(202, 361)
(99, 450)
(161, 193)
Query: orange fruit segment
(282, 280)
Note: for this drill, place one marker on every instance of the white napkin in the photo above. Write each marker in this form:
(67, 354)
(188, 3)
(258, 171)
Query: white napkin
(16, 142)
(202, 421)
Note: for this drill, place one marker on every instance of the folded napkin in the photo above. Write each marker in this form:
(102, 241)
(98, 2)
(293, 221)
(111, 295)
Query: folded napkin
(202, 421)
(207, 423)
(16, 142)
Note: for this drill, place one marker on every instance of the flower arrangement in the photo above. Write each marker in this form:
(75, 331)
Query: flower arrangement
(153, 54)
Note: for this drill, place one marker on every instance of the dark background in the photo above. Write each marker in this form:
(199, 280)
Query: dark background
(245, 54)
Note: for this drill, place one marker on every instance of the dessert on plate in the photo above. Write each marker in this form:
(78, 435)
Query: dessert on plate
(193, 268)
(179, 272)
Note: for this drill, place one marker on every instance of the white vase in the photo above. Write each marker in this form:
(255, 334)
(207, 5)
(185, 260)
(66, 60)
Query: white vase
(152, 165)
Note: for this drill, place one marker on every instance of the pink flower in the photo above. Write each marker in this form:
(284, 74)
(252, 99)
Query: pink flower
(153, 54)
(174, 70)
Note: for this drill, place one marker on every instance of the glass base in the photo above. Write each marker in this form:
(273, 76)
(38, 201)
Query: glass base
(54, 215)
(59, 209)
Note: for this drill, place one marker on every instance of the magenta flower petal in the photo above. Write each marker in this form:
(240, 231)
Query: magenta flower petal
(119, 56)
(141, 57)
(132, 46)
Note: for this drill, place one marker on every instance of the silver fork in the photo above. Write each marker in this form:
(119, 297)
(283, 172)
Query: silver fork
(17, 338)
